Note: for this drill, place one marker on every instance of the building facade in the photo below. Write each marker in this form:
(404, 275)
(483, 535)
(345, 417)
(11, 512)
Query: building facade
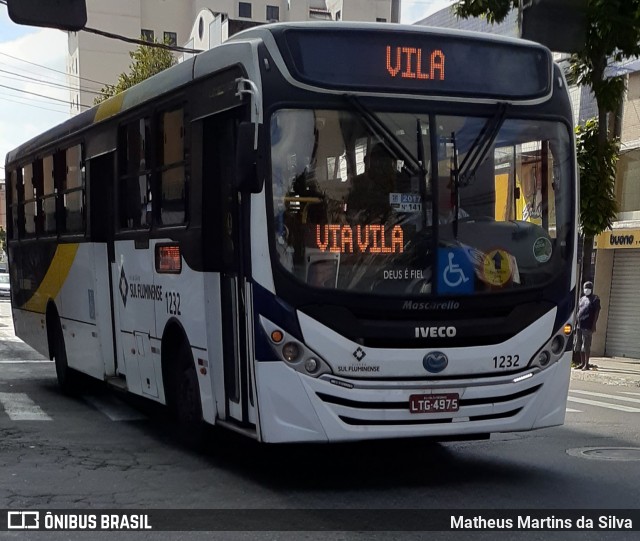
(445, 18)
(618, 250)
(94, 61)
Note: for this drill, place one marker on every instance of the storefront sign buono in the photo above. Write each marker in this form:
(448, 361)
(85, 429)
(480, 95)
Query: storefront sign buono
(618, 239)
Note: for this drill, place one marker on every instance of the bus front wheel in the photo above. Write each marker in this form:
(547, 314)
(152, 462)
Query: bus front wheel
(186, 400)
(66, 376)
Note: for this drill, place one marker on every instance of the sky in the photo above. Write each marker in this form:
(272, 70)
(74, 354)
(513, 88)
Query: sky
(33, 60)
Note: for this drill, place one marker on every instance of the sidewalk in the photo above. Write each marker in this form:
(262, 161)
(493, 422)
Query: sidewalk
(611, 370)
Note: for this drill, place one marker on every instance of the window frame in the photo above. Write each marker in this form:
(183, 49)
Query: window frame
(161, 167)
(274, 9)
(129, 173)
(147, 34)
(170, 38)
(154, 167)
(64, 191)
(243, 6)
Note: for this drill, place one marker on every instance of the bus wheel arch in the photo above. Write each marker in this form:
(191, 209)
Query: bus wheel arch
(180, 382)
(52, 319)
(67, 377)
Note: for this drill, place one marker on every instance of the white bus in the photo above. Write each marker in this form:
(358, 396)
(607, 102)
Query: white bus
(313, 232)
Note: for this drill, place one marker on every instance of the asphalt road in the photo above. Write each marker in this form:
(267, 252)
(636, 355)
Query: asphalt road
(101, 450)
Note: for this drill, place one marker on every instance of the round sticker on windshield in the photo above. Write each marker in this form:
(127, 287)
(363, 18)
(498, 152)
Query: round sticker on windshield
(496, 268)
(542, 249)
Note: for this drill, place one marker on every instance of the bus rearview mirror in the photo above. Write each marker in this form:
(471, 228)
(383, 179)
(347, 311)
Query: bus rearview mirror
(70, 15)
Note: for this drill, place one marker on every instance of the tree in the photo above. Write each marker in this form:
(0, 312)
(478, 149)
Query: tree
(613, 34)
(146, 61)
(597, 197)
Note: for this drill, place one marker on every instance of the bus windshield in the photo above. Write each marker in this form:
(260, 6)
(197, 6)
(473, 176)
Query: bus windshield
(353, 212)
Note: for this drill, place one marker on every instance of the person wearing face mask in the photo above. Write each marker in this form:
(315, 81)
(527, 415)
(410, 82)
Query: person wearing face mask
(588, 312)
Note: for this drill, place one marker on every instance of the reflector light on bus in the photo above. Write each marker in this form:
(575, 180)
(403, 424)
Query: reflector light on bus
(522, 378)
(168, 258)
(568, 329)
(311, 365)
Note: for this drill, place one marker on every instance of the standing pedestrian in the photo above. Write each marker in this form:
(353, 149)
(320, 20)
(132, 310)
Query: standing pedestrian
(588, 312)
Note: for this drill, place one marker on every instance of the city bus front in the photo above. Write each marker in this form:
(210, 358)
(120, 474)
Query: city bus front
(422, 248)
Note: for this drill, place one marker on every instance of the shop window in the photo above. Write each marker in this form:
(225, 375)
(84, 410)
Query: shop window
(172, 167)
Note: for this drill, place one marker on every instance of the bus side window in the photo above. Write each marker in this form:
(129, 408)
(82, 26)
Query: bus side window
(73, 198)
(16, 197)
(29, 201)
(48, 196)
(59, 186)
(172, 166)
(134, 175)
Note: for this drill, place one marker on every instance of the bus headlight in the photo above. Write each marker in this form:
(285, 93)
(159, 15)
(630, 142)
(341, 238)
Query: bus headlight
(543, 358)
(296, 354)
(553, 350)
(311, 365)
(557, 344)
(290, 352)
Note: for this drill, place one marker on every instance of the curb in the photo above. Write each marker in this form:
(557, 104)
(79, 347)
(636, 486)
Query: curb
(602, 377)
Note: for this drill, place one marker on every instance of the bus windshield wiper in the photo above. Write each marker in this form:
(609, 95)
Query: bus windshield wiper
(423, 168)
(475, 156)
(480, 147)
(373, 122)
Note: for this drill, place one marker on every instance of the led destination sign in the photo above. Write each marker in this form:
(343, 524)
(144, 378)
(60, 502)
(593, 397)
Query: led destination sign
(372, 239)
(420, 62)
(407, 62)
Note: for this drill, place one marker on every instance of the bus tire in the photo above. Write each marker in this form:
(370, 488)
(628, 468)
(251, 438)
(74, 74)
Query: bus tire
(187, 405)
(67, 377)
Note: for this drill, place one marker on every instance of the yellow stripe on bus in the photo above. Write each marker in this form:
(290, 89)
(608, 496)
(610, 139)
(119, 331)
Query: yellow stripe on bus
(109, 107)
(54, 279)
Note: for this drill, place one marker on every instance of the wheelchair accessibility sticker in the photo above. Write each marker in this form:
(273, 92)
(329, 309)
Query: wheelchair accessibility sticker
(455, 271)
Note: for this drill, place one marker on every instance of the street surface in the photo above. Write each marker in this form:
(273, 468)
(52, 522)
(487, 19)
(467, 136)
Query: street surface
(103, 450)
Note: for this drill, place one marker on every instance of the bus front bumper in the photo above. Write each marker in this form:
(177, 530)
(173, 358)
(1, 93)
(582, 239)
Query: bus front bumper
(298, 408)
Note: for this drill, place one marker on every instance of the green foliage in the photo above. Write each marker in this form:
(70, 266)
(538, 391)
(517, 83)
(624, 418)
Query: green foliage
(146, 61)
(3, 239)
(495, 11)
(597, 165)
(613, 34)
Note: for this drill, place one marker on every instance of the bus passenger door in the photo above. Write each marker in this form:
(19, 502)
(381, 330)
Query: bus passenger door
(222, 216)
(135, 293)
(100, 175)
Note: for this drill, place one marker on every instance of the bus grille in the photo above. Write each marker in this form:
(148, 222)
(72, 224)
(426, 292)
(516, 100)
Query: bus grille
(388, 413)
